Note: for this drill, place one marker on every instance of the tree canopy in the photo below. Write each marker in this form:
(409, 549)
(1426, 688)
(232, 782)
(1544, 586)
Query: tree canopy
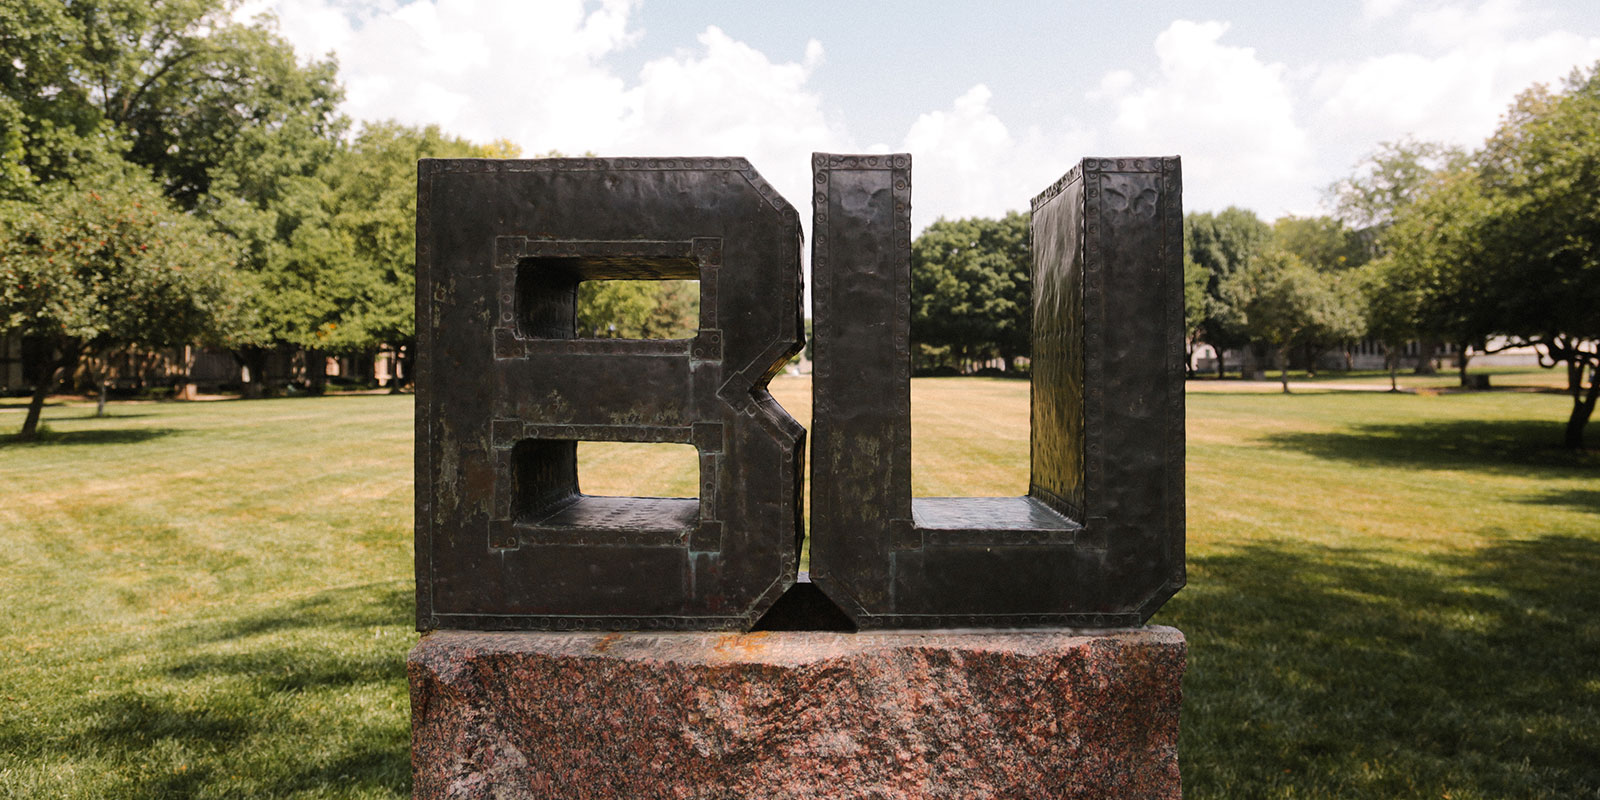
(971, 287)
(90, 267)
(1506, 242)
(1222, 244)
(177, 86)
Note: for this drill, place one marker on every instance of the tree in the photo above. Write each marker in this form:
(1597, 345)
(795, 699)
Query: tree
(971, 287)
(179, 81)
(1392, 304)
(1325, 244)
(1223, 244)
(1430, 284)
(369, 205)
(1195, 278)
(107, 263)
(1508, 243)
(1384, 184)
(1284, 303)
(222, 114)
(1388, 179)
(1541, 243)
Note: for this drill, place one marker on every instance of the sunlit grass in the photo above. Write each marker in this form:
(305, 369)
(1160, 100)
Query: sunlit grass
(1390, 595)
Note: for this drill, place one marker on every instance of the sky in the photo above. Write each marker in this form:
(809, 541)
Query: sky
(1266, 102)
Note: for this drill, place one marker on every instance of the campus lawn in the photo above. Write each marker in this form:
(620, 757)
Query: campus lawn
(1446, 379)
(1390, 595)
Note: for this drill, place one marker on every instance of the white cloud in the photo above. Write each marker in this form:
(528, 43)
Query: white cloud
(1451, 25)
(1466, 65)
(1373, 10)
(1251, 132)
(729, 99)
(1230, 115)
(537, 73)
(967, 163)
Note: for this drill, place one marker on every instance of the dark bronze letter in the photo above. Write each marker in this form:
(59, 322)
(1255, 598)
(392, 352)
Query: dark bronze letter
(1098, 540)
(505, 539)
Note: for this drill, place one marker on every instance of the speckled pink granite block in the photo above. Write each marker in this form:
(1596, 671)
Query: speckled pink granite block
(888, 716)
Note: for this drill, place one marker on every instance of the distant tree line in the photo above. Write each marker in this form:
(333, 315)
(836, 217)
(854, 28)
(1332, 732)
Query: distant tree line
(169, 176)
(1494, 248)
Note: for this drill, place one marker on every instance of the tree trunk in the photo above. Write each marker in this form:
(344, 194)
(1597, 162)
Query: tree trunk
(1391, 358)
(52, 371)
(1582, 408)
(1425, 350)
(99, 369)
(187, 355)
(1461, 363)
(1283, 368)
(316, 371)
(400, 373)
(1220, 367)
(253, 359)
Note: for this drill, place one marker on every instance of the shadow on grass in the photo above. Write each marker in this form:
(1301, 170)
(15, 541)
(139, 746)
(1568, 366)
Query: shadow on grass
(52, 438)
(1580, 499)
(273, 695)
(1337, 673)
(1480, 444)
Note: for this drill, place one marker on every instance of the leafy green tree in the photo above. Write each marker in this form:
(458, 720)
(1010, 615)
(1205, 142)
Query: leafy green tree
(1385, 183)
(1540, 242)
(221, 113)
(971, 287)
(1430, 283)
(1223, 244)
(179, 81)
(108, 263)
(1285, 303)
(1195, 278)
(369, 208)
(1388, 179)
(1507, 244)
(1325, 244)
(1392, 303)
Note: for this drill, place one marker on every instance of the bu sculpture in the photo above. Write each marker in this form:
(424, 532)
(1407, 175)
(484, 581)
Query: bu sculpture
(507, 540)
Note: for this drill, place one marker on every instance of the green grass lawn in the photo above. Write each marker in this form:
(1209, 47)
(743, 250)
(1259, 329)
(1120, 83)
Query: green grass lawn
(1446, 378)
(1390, 595)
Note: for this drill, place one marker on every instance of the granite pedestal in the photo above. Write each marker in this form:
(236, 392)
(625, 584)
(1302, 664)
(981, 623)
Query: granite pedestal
(889, 716)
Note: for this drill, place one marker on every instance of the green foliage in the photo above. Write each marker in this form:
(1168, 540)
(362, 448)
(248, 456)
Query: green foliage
(223, 116)
(186, 87)
(1195, 278)
(638, 309)
(1323, 243)
(1222, 244)
(1433, 264)
(971, 287)
(110, 262)
(1510, 246)
(1541, 169)
(1284, 303)
(370, 207)
(1389, 179)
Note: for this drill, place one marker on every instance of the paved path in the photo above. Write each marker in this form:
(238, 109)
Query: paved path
(1294, 386)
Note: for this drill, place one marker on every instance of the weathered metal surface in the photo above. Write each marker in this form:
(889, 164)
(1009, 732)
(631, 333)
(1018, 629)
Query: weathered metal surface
(505, 537)
(1098, 541)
